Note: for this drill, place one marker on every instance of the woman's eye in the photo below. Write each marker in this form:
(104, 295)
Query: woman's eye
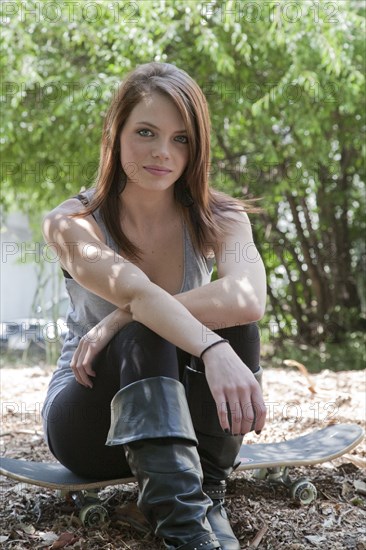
(141, 132)
(182, 139)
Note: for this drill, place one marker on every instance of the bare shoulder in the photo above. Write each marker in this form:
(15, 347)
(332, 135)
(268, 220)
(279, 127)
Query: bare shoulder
(62, 217)
(236, 222)
(238, 216)
(67, 208)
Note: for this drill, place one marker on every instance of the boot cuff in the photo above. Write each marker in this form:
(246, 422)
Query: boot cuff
(150, 408)
(259, 376)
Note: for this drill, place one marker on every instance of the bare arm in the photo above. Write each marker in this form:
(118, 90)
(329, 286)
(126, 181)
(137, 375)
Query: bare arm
(238, 296)
(95, 266)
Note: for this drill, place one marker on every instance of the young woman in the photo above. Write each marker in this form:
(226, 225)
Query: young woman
(158, 373)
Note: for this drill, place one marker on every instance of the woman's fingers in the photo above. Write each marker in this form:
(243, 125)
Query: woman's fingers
(242, 412)
(240, 415)
(81, 376)
(81, 364)
(88, 360)
(260, 410)
(222, 411)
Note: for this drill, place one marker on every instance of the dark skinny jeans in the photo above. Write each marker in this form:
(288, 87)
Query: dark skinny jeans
(79, 418)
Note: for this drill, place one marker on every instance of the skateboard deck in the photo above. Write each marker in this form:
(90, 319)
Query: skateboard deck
(314, 448)
(270, 460)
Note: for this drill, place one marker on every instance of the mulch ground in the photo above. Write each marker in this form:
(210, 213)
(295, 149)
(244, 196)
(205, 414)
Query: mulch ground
(263, 516)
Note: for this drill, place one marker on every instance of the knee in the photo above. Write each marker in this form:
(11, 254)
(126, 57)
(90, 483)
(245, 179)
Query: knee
(139, 345)
(249, 334)
(135, 332)
(245, 340)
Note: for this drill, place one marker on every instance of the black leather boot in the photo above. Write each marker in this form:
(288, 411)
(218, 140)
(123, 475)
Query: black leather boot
(218, 452)
(152, 420)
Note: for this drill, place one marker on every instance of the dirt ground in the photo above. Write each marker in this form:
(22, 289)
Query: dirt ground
(263, 516)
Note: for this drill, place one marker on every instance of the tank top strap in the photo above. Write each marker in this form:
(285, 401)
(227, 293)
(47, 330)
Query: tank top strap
(85, 197)
(197, 268)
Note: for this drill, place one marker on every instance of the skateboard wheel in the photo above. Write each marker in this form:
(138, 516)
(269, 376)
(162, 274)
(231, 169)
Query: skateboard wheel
(93, 515)
(303, 491)
(260, 473)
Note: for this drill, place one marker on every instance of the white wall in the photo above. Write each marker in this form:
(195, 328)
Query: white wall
(19, 262)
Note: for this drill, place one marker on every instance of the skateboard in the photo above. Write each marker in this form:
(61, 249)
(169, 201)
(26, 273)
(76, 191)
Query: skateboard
(270, 461)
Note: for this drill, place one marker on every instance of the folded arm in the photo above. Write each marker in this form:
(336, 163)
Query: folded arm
(95, 266)
(238, 296)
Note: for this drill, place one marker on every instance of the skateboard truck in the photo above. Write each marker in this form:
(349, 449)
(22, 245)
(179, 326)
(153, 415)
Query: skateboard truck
(301, 490)
(91, 512)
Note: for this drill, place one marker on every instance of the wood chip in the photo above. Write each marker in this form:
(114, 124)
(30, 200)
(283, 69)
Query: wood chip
(258, 538)
(360, 486)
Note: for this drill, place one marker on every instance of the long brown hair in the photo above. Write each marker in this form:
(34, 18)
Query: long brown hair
(205, 210)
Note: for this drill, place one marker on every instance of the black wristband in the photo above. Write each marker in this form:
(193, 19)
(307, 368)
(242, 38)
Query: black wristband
(222, 341)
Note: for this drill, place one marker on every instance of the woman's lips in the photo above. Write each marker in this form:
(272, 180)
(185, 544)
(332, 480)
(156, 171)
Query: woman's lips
(157, 171)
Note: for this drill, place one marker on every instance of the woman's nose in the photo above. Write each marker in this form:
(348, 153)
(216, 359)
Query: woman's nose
(161, 149)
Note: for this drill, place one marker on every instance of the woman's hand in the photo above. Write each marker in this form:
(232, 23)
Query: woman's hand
(234, 387)
(82, 361)
(93, 342)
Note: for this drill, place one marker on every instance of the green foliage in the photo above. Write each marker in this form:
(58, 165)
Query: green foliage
(284, 82)
(349, 355)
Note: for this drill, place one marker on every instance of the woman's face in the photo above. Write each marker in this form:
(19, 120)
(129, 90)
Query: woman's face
(154, 144)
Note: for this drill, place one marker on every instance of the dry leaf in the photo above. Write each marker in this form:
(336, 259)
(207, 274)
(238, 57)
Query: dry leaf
(347, 489)
(29, 529)
(130, 514)
(49, 537)
(329, 522)
(304, 371)
(64, 540)
(356, 460)
(315, 539)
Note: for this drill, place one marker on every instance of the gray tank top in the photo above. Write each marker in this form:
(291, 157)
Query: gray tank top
(87, 309)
